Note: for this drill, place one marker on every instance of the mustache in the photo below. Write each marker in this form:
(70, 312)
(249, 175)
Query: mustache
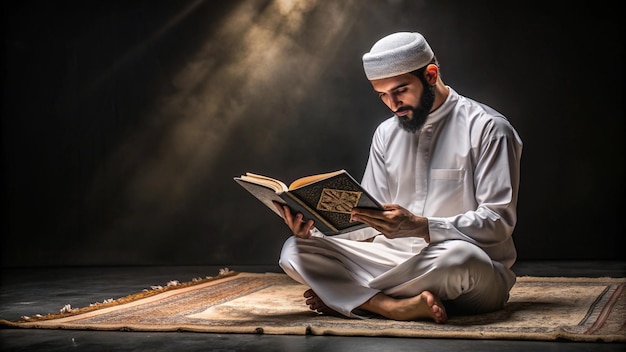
(403, 108)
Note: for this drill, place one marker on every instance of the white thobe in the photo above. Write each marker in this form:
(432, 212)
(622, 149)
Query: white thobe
(461, 171)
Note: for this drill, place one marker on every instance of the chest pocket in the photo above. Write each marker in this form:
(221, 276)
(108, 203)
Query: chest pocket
(445, 192)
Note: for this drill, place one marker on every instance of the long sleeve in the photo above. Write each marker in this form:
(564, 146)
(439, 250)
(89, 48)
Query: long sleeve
(496, 176)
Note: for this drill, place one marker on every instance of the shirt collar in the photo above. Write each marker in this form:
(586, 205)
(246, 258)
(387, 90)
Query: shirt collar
(445, 108)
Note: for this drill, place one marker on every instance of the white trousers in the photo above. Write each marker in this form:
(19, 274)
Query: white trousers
(346, 273)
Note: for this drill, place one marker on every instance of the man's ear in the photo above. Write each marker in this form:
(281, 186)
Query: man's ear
(431, 73)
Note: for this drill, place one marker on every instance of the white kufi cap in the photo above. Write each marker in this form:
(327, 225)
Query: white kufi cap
(396, 54)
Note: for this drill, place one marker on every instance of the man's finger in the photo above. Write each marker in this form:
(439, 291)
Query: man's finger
(280, 209)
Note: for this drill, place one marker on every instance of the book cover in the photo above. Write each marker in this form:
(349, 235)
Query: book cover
(326, 198)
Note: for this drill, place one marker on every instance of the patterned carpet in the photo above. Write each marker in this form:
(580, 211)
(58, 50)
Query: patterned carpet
(540, 308)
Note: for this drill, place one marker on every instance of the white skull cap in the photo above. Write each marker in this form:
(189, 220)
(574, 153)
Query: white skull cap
(396, 54)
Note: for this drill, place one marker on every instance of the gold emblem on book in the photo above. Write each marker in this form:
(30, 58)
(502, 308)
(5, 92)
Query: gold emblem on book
(338, 201)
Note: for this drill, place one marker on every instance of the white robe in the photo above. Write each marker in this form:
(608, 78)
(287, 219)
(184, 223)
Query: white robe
(461, 171)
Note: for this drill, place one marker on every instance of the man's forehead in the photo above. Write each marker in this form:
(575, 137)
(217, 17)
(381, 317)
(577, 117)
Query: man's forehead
(392, 83)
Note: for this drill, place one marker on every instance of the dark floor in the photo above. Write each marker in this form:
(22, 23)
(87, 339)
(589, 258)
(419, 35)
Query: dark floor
(41, 291)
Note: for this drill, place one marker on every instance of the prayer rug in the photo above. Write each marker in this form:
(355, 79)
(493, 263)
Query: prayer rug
(540, 308)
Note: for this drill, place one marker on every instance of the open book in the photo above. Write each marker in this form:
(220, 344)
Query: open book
(326, 198)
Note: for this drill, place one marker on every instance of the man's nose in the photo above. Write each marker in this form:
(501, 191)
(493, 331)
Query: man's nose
(394, 103)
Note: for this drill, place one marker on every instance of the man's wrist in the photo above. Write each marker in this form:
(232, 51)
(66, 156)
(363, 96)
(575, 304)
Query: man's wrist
(422, 228)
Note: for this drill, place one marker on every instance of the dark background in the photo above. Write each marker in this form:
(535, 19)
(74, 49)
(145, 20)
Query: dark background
(124, 122)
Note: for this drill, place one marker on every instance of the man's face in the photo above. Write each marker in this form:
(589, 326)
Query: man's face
(406, 97)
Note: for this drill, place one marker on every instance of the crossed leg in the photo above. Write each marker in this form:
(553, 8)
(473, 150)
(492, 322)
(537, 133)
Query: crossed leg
(465, 275)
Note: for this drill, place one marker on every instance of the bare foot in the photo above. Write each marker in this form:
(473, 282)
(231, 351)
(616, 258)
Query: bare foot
(316, 304)
(423, 306)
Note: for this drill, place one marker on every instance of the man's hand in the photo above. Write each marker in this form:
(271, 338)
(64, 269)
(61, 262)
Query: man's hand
(296, 223)
(393, 222)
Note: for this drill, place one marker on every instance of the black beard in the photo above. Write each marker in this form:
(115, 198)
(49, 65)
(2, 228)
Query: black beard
(420, 113)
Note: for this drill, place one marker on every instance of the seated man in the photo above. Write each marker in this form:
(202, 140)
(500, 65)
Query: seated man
(447, 169)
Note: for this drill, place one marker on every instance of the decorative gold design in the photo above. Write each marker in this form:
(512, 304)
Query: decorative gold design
(338, 201)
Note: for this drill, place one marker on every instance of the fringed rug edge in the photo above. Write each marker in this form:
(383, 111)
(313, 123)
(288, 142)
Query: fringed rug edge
(155, 290)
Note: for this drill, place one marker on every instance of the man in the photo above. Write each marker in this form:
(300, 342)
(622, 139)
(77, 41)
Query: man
(447, 169)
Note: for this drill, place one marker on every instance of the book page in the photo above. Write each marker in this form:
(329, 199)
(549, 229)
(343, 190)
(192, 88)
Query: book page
(276, 185)
(310, 179)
